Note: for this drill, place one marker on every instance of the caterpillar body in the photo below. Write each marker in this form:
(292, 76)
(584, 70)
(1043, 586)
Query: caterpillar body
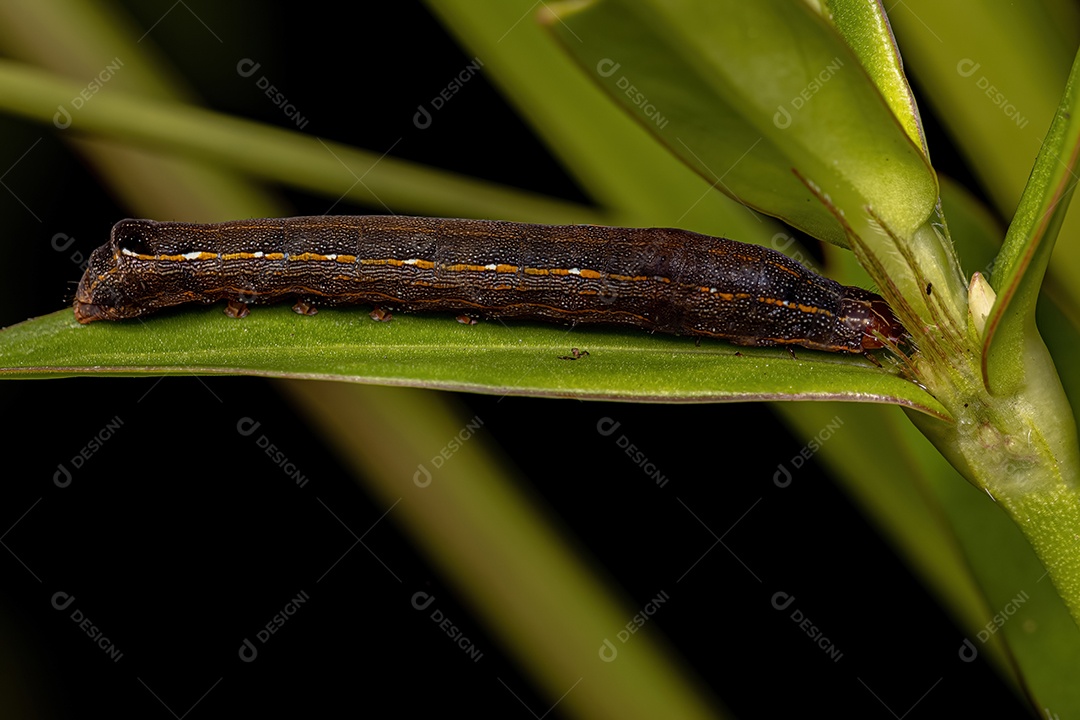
(658, 279)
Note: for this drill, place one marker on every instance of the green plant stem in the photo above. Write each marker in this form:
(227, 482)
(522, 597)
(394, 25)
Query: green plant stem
(1021, 449)
(1015, 432)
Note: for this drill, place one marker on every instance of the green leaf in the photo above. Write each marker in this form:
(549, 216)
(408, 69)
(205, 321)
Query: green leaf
(865, 27)
(437, 352)
(795, 107)
(1021, 264)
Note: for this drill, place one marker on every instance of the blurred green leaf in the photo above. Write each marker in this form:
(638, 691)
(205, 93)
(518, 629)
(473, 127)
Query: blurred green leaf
(291, 158)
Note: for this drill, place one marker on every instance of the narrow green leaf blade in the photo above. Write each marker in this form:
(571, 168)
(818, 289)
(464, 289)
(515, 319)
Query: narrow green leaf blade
(1021, 265)
(436, 352)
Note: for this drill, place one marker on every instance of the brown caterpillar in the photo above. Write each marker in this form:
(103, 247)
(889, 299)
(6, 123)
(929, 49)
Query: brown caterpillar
(657, 279)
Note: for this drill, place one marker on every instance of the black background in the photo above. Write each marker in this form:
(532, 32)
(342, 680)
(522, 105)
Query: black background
(179, 541)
